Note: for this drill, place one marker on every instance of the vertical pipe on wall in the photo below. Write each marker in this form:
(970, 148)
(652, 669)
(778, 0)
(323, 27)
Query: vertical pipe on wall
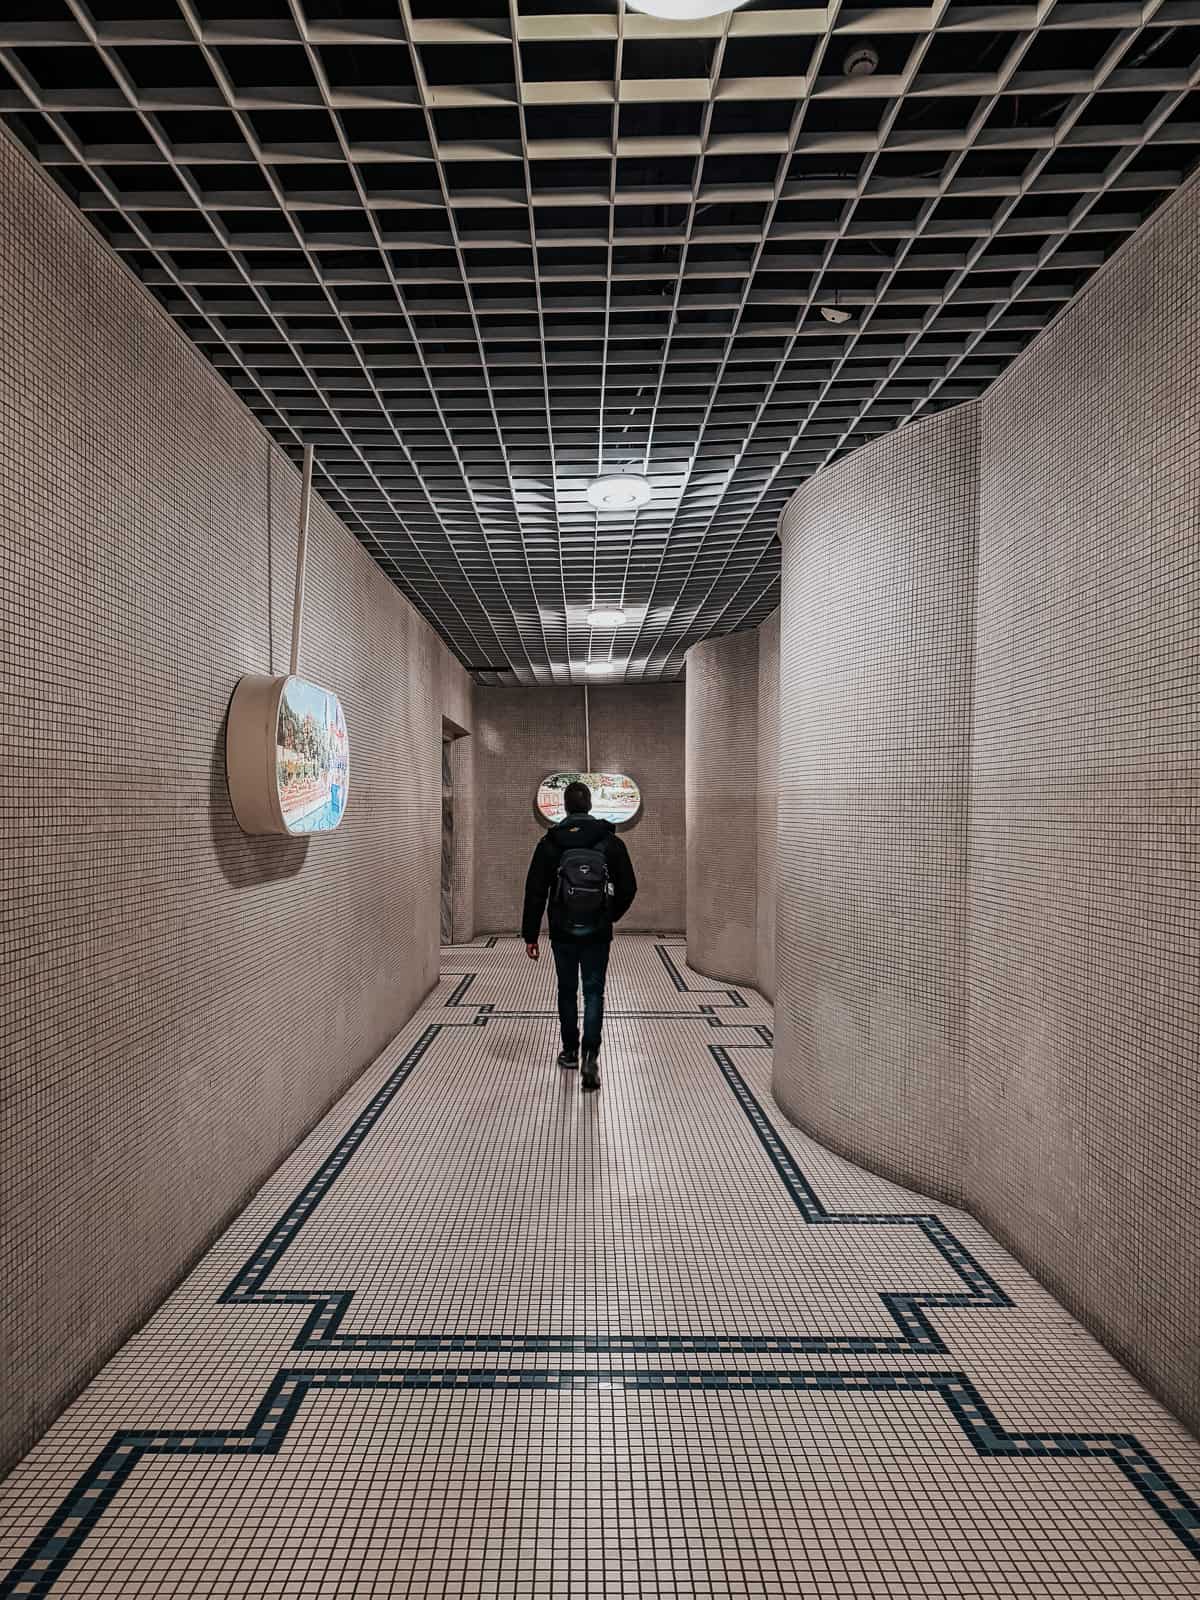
(587, 732)
(301, 555)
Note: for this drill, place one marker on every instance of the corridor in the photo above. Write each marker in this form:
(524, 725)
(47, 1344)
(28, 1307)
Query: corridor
(484, 1336)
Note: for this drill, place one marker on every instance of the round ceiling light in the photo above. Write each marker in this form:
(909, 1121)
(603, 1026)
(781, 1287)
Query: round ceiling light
(684, 10)
(606, 617)
(618, 491)
(596, 668)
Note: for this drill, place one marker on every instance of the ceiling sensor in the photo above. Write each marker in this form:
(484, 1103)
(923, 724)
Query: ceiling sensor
(860, 62)
(834, 314)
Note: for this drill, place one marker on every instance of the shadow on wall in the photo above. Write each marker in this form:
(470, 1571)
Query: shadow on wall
(246, 860)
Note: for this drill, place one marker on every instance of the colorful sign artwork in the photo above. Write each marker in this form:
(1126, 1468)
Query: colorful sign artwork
(615, 797)
(312, 758)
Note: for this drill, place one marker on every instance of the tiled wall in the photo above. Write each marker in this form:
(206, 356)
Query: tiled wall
(875, 668)
(523, 734)
(732, 760)
(1028, 1046)
(180, 1001)
(1084, 939)
(722, 806)
(732, 803)
(767, 867)
(639, 730)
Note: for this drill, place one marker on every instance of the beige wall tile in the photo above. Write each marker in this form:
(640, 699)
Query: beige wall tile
(180, 1002)
(524, 734)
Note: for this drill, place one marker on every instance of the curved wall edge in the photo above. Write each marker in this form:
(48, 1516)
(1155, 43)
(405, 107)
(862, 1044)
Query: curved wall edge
(732, 796)
(989, 795)
(875, 710)
(721, 789)
(768, 800)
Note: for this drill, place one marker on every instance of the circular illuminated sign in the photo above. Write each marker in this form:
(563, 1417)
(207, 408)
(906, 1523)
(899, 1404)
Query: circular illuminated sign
(615, 797)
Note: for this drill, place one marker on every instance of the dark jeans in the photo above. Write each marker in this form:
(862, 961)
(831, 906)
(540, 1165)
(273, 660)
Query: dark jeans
(588, 958)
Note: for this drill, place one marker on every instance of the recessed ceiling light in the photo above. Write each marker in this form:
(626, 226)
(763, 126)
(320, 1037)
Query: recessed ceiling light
(606, 617)
(618, 491)
(684, 10)
(596, 668)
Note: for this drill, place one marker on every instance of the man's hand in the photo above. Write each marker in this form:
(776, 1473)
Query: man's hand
(533, 951)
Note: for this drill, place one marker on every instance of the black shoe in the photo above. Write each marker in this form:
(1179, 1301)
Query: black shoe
(568, 1058)
(591, 1070)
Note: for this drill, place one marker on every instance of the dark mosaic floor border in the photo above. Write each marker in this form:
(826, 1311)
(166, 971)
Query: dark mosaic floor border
(77, 1515)
(268, 1428)
(322, 1330)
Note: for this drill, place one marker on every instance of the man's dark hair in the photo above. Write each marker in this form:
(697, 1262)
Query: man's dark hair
(577, 797)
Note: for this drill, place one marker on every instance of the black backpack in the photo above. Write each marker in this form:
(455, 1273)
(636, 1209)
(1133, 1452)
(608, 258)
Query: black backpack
(583, 890)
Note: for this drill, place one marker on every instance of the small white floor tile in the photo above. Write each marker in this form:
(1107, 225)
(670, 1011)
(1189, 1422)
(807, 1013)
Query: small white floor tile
(483, 1335)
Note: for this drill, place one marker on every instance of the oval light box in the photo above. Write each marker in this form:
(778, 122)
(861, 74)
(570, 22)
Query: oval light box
(615, 796)
(286, 756)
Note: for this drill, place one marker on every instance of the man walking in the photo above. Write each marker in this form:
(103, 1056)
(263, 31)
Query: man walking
(584, 870)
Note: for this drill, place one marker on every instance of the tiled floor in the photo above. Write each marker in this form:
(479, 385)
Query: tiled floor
(485, 1336)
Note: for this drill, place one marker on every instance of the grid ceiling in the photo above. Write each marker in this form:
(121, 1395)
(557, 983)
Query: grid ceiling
(475, 259)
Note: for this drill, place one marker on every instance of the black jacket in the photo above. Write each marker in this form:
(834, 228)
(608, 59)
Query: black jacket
(579, 832)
